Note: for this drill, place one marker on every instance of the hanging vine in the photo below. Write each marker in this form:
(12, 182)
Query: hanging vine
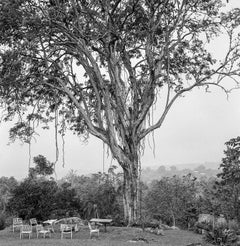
(103, 157)
(56, 135)
(62, 131)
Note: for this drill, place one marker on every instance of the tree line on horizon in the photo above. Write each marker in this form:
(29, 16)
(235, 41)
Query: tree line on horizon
(202, 171)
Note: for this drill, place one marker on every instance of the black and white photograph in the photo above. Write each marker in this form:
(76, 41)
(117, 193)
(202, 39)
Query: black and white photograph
(120, 122)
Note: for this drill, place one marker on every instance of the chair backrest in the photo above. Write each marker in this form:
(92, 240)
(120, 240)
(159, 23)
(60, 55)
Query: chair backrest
(33, 221)
(17, 221)
(65, 228)
(26, 228)
(39, 228)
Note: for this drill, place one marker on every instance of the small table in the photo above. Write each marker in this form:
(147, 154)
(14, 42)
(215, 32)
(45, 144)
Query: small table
(50, 223)
(102, 221)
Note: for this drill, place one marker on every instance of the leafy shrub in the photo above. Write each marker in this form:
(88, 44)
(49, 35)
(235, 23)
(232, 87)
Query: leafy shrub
(2, 222)
(220, 236)
(8, 220)
(233, 225)
(33, 198)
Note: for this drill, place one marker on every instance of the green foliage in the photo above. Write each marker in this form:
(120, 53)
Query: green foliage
(234, 226)
(98, 193)
(103, 194)
(42, 167)
(208, 197)
(67, 204)
(7, 186)
(33, 198)
(172, 200)
(73, 196)
(229, 183)
(221, 236)
(230, 166)
(120, 31)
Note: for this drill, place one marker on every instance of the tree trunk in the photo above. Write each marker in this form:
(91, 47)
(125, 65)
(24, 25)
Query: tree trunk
(131, 192)
(174, 219)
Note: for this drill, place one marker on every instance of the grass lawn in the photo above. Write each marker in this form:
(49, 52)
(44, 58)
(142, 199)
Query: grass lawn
(115, 236)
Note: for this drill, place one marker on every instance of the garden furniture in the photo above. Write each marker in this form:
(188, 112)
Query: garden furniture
(102, 221)
(17, 223)
(26, 229)
(50, 223)
(41, 230)
(93, 230)
(66, 229)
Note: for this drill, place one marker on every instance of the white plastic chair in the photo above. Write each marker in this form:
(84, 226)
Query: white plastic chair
(33, 221)
(93, 230)
(26, 229)
(66, 229)
(41, 230)
(17, 223)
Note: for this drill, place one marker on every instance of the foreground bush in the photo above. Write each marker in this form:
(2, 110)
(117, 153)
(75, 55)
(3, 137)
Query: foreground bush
(220, 236)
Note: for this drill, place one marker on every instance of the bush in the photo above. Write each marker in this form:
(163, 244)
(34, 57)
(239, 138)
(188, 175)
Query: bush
(220, 236)
(233, 225)
(8, 220)
(2, 222)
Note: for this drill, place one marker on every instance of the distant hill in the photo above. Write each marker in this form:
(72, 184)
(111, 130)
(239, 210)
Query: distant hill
(207, 169)
(192, 166)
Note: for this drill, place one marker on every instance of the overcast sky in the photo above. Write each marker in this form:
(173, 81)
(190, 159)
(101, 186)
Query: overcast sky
(194, 132)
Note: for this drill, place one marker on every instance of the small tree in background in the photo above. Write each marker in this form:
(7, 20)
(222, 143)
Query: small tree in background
(33, 198)
(43, 167)
(67, 203)
(99, 194)
(172, 200)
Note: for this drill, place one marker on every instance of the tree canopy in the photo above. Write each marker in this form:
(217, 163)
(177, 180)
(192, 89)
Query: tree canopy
(101, 64)
(171, 199)
(43, 167)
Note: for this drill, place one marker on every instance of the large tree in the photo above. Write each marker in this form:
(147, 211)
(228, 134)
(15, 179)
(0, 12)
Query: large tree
(99, 66)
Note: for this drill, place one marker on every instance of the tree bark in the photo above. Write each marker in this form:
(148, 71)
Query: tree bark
(131, 194)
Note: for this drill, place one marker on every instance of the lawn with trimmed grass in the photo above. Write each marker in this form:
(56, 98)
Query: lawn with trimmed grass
(115, 236)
